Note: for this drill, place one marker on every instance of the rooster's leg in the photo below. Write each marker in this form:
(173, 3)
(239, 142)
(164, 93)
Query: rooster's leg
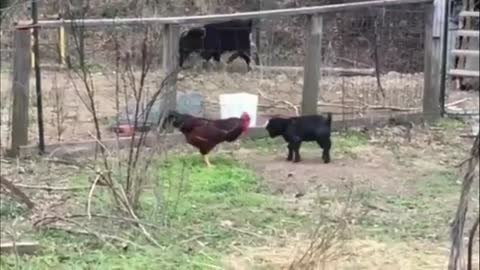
(205, 157)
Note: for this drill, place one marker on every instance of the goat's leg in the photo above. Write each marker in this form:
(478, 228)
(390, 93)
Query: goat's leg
(233, 57)
(290, 153)
(296, 150)
(207, 161)
(216, 56)
(246, 57)
(325, 144)
(183, 56)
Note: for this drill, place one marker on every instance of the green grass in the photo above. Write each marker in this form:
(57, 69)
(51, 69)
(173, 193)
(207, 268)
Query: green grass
(449, 124)
(200, 210)
(343, 142)
(347, 142)
(422, 213)
(265, 145)
(10, 209)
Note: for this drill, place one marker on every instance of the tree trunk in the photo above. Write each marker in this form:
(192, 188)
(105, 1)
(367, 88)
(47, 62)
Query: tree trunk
(456, 261)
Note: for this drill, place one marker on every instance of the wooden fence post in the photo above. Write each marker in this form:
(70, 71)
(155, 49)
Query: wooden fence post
(170, 64)
(311, 73)
(21, 89)
(61, 45)
(433, 59)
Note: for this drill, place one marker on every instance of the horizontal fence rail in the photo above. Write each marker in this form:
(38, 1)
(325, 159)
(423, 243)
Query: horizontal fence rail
(222, 17)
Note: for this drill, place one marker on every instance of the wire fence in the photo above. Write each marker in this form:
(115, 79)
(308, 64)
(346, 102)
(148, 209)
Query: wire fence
(354, 45)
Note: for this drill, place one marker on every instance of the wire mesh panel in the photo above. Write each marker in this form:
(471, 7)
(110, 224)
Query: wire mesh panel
(371, 64)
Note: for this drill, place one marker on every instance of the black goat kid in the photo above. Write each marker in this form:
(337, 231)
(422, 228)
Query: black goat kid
(296, 130)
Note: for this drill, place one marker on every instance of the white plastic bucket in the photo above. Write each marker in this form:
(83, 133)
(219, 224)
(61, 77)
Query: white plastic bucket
(233, 105)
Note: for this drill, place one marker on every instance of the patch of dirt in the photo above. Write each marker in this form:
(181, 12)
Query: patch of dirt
(385, 164)
(364, 254)
(288, 177)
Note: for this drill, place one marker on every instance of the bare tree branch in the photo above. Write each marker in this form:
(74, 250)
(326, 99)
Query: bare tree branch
(18, 194)
(456, 261)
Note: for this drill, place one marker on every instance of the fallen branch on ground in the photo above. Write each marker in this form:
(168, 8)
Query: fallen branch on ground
(100, 236)
(52, 188)
(18, 194)
(23, 247)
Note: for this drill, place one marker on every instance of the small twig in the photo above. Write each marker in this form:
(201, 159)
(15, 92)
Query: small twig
(100, 236)
(291, 105)
(64, 162)
(100, 143)
(245, 232)
(90, 194)
(196, 237)
(463, 162)
(134, 216)
(457, 102)
(129, 220)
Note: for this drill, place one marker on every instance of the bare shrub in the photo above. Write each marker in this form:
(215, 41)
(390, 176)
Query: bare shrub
(123, 174)
(329, 236)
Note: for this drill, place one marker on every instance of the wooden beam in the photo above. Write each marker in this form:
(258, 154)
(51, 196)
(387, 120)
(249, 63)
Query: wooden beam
(20, 89)
(468, 33)
(334, 71)
(469, 14)
(264, 14)
(464, 73)
(431, 91)
(170, 65)
(470, 53)
(88, 147)
(313, 61)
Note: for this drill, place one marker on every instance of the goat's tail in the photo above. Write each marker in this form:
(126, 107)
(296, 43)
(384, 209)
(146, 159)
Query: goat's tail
(329, 119)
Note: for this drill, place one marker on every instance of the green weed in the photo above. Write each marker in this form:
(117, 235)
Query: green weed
(201, 211)
(449, 124)
(423, 213)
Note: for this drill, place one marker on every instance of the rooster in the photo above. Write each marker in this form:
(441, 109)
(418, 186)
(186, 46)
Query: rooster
(205, 134)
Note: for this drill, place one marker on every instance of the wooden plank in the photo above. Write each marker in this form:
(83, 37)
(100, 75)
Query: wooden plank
(464, 73)
(21, 90)
(202, 19)
(334, 71)
(468, 33)
(427, 66)
(470, 53)
(469, 14)
(313, 61)
(170, 64)
(88, 147)
(21, 247)
(168, 141)
(432, 47)
(438, 18)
